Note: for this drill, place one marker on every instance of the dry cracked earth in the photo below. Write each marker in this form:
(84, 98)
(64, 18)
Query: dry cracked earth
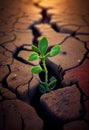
(66, 23)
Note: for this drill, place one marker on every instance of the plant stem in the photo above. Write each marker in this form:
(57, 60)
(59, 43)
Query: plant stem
(45, 70)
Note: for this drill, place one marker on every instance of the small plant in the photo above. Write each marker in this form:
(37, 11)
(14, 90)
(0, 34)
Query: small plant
(41, 53)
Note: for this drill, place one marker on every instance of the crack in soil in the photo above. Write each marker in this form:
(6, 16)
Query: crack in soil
(4, 80)
(46, 18)
(9, 41)
(18, 50)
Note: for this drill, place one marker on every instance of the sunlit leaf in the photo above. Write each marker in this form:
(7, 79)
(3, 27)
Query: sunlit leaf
(36, 69)
(43, 45)
(34, 48)
(55, 50)
(33, 56)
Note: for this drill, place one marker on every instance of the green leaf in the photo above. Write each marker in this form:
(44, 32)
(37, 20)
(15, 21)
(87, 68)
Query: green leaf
(34, 48)
(52, 83)
(43, 45)
(47, 55)
(52, 78)
(33, 56)
(42, 89)
(55, 50)
(36, 69)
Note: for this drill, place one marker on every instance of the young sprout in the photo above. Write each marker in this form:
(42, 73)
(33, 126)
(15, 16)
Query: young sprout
(41, 53)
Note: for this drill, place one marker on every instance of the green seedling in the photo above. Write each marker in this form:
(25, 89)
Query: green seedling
(41, 53)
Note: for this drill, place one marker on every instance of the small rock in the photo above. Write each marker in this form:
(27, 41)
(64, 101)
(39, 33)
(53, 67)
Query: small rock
(62, 104)
(16, 115)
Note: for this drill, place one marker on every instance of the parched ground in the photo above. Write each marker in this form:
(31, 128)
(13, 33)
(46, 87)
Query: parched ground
(22, 23)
